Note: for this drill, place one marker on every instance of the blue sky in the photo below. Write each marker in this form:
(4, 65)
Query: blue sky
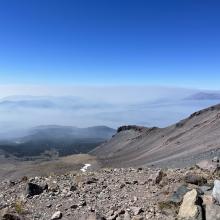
(110, 42)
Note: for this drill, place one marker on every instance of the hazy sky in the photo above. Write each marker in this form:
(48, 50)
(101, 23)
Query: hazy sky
(107, 94)
(54, 42)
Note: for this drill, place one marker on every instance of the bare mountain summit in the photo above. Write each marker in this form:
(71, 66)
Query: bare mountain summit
(184, 143)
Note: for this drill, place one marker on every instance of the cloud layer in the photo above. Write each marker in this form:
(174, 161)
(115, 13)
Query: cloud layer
(22, 107)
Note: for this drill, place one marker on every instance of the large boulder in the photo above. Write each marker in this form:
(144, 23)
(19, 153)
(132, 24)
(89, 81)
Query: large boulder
(189, 210)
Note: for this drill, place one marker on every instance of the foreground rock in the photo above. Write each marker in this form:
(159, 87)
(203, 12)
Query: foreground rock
(113, 194)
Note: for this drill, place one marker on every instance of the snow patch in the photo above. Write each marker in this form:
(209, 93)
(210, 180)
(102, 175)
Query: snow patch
(85, 167)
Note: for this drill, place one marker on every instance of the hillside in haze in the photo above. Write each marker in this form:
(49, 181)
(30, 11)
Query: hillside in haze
(54, 141)
(182, 144)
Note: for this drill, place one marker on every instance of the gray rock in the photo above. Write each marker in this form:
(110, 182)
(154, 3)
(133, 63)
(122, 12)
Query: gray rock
(177, 196)
(212, 212)
(195, 179)
(205, 189)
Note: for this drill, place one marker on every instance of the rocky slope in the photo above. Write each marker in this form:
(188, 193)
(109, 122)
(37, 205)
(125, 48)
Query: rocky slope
(116, 194)
(179, 145)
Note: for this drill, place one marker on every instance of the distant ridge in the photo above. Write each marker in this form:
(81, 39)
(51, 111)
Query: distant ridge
(204, 96)
(184, 143)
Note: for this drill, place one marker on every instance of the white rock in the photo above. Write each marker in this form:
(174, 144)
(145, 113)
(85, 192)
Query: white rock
(216, 191)
(56, 215)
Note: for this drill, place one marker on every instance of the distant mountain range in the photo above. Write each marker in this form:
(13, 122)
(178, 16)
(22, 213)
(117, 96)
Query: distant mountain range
(204, 96)
(62, 140)
(19, 113)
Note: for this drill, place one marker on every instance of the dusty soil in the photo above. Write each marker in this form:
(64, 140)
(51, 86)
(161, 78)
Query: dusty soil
(12, 169)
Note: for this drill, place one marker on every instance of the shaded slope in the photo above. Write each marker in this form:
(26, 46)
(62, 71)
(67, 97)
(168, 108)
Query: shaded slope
(181, 144)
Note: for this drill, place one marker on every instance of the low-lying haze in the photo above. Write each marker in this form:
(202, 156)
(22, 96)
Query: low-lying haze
(24, 107)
